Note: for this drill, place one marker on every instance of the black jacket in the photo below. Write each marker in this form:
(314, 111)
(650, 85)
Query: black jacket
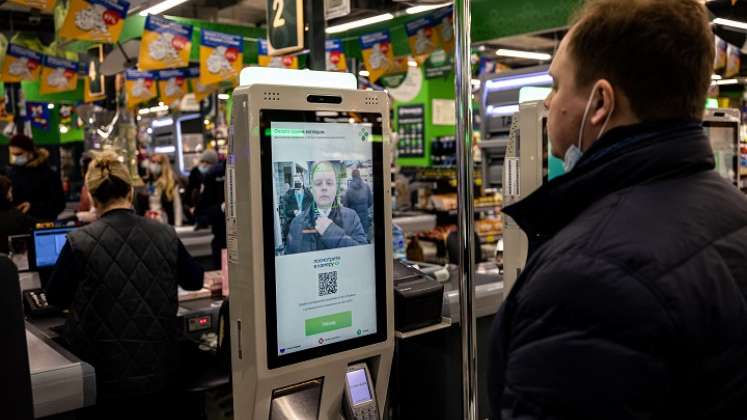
(119, 277)
(12, 222)
(632, 302)
(39, 185)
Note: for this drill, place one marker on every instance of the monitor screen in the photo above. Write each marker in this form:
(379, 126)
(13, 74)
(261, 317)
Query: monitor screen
(358, 385)
(47, 245)
(724, 138)
(323, 218)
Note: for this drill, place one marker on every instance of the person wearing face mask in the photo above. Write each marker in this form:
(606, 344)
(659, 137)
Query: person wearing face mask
(325, 223)
(195, 182)
(163, 199)
(12, 220)
(37, 188)
(633, 300)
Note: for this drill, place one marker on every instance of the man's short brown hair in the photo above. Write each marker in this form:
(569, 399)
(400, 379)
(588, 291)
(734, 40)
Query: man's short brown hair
(658, 52)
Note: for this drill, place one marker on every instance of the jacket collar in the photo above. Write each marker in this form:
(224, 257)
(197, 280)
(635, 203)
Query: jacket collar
(623, 157)
(117, 211)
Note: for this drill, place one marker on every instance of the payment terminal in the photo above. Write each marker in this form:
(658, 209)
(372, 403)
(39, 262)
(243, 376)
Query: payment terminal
(310, 266)
(46, 245)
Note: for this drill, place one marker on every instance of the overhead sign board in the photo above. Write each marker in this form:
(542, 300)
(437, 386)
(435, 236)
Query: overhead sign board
(285, 21)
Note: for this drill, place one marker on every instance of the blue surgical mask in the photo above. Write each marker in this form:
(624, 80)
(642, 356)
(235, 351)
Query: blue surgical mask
(21, 160)
(203, 169)
(574, 153)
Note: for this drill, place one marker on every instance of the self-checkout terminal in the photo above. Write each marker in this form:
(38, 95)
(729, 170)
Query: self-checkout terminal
(312, 320)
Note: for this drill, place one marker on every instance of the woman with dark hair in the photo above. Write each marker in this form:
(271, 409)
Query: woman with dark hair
(325, 224)
(119, 277)
(12, 220)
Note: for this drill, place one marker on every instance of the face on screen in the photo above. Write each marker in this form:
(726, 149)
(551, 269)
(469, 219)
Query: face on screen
(324, 185)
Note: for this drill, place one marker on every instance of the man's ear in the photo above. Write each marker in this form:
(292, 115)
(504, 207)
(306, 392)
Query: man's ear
(604, 102)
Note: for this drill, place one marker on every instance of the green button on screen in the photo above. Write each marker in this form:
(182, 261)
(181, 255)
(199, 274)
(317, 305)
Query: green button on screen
(329, 323)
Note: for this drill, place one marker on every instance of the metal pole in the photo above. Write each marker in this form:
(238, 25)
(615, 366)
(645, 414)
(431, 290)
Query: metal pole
(466, 212)
(315, 42)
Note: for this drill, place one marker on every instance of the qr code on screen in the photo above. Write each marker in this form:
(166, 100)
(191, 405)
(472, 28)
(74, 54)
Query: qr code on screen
(327, 283)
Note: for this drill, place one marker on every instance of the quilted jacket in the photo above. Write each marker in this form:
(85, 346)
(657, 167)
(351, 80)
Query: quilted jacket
(632, 304)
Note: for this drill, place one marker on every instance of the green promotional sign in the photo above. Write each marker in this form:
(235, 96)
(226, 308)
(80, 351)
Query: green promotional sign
(284, 26)
(439, 64)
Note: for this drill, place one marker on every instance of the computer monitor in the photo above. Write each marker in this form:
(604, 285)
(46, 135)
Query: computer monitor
(324, 292)
(722, 128)
(48, 244)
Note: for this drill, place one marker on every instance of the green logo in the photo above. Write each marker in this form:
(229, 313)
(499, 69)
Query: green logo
(359, 332)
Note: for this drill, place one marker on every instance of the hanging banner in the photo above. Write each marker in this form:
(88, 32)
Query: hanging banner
(172, 85)
(396, 73)
(733, 61)
(443, 23)
(95, 20)
(221, 57)
(140, 87)
(21, 64)
(38, 114)
(201, 91)
(285, 26)
(335, 56)
(165, 44)
(377, 54)
(719, 60)
(5, 116)
(43, 5)
(280, 62)
(422, 38)
(58, 75)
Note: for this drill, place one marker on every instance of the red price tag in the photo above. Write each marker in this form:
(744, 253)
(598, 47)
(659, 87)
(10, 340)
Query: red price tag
(179, 42)
(111, 17)
(232, 54)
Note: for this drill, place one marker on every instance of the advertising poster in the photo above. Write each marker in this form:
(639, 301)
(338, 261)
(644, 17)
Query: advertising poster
(165, 44)
(5, 116)
(201, 91)
(172, 85)
(140, 87)
(43, 5)
(95, 20)
(378, 54)
(720, 58)
(324, 219)
(38, 114)
(438, 64)
(21, 64)
(396, 73)
(422, 38)
(443, 24)
(733, 61)
(279, 61)
(221, 57)
(335, 57)
(58, 75)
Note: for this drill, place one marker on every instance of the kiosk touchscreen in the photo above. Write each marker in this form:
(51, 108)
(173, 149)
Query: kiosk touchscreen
(308, 238)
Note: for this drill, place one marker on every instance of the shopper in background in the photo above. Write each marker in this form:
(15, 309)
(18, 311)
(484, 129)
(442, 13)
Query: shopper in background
(295, 201)
(360, 198)
(86, 212)
(164, 201)
(325, 224)
(632, 302)
(119, 276)
(196, 178)
(211, 209)
(37, 188)
(12, 220)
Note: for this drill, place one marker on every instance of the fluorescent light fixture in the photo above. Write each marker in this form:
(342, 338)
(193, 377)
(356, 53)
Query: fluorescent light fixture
(364, 73)
(716, 77)
(533, 93)
(358, 23)
(531, 79)
(730, 23)
(50, 106)
(162, 123)
(161, 7)
(223, 96)
(497, 111)
(165, 149)
(503, 52)
(727, 82)
(419, 9)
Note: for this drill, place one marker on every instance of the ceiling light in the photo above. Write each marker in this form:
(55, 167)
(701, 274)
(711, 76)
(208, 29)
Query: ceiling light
(223, 96)
(716, 77)
(727, 82)
(497, 111)
(50, 106)
(364, 73)
(502, 52)
(358, 23)
(532, 79)
(730, 23)
(419, 9)
(161, 7)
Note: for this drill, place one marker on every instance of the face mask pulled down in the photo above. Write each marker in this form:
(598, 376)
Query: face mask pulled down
(574, 153)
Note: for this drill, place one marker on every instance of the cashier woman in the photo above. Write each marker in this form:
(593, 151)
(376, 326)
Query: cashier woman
(118, 276)
(325, 224)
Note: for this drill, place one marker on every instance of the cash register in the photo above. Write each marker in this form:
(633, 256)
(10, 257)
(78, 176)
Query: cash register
(46, 245)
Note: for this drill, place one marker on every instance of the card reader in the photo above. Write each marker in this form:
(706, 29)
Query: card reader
(360, 397)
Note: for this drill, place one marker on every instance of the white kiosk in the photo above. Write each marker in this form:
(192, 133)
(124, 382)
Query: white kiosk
(312, 321)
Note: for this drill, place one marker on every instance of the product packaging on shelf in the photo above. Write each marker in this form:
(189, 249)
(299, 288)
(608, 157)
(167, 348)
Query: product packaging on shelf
(95, 20)
(165, 44)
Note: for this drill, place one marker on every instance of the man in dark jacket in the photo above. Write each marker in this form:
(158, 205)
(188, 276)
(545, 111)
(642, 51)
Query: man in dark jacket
(37, 188)
(360, 198)
(12, 221)
(632, 302)
(210, 209)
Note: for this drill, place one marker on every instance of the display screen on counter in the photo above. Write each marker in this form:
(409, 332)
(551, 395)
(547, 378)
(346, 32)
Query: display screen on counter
(322, 176)
(724, 140)
(358, 384)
